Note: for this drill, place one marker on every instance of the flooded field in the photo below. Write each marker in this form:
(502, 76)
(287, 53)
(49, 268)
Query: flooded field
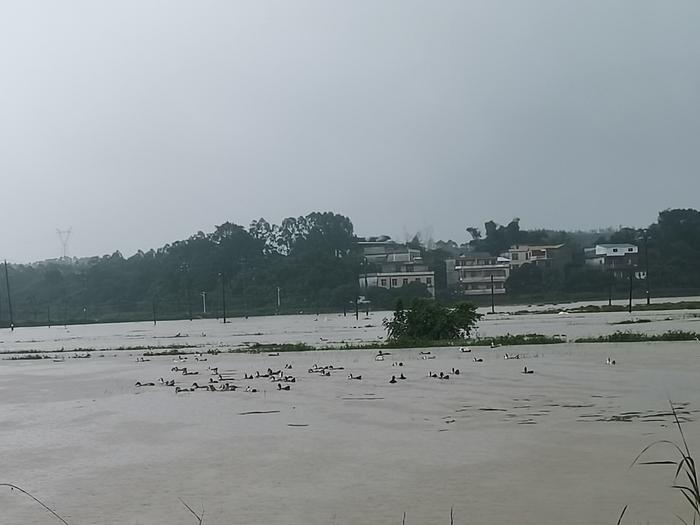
(328, 330)
(496, 445)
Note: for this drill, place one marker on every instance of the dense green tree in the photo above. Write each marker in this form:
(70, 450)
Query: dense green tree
(428, 320)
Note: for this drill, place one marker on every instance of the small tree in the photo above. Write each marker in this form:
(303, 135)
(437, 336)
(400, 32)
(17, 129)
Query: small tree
(427, 320)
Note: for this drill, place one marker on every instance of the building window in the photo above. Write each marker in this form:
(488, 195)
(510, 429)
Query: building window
(630, 249)
(394, 282)
(405, 281)
(383, 281)
(614, 250)
(417, 279)
(428, 280)
(514, 256)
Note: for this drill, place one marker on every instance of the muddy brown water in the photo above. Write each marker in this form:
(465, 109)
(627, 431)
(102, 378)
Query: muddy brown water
(496, 445)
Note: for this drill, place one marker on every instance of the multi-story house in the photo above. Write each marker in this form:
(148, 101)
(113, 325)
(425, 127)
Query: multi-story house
(476, 273)
(395, 265)
(549, 256)
(619, 259)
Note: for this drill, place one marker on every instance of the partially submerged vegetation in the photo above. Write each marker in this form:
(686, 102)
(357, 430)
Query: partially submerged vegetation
(636, 337)
(519, 339)
(428, 320)
(604, 308)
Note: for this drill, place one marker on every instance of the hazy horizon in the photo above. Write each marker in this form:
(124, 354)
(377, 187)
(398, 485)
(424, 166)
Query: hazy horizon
(140, 123)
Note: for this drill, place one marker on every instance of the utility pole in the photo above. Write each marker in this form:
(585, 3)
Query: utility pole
(223, 294)
(9, 298)
(610, 287)
(364, 263)
(278, 300)
(48, 316)
(154, 312)
(243, 272)
(631, 280)
(204, 302)
(184, 269)
(189, 300)
(493, 308)
(646, 264)
(357, 310)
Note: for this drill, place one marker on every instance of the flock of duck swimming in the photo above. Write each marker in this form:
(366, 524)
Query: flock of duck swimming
(226, 381)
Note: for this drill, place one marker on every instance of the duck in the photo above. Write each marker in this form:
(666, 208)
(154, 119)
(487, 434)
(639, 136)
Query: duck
(402, 376)
(350, 376)
(465, 349)
(139, 383)
(526, 371)
(179, 389)
(478, 360)
(285, 387)
(379, 357)
(392, 380)
(250, 389)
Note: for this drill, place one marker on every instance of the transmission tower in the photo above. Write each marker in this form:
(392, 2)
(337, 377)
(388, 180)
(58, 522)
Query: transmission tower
(64, 236)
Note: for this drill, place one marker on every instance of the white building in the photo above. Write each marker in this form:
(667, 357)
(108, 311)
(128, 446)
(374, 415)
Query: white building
(476, 273)
(617, 258)
(398, 264)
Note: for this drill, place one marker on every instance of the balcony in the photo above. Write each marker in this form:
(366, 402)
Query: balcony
(487, 279)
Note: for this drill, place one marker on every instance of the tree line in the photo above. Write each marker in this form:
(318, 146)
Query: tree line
(312, 264)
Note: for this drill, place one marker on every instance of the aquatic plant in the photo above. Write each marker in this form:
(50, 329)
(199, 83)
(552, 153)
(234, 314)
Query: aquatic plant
(685, 479)
(636, 337)
(13, 487)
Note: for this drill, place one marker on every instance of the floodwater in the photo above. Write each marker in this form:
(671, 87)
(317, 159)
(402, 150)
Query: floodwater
(496, 445)
(326, 330)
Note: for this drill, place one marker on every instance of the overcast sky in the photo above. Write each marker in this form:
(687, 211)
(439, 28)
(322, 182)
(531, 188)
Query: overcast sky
(140, 122)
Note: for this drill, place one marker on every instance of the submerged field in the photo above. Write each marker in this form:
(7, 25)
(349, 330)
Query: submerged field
(497, 445)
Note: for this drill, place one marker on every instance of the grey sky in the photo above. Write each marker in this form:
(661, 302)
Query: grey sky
(140, 122)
